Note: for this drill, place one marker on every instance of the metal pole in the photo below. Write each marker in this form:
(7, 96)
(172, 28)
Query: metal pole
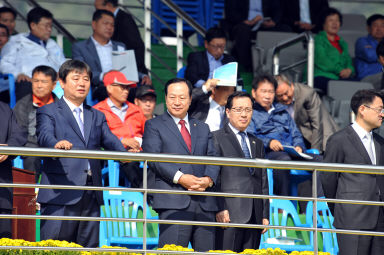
(147, 33)
(311, 60)
(179, 37)
(145, 186)
(276, 63)
(314, 208)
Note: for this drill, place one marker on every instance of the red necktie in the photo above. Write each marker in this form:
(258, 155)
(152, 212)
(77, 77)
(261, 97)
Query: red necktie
(186, 135)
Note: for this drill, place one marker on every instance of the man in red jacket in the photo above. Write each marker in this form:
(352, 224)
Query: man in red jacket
(125, 119)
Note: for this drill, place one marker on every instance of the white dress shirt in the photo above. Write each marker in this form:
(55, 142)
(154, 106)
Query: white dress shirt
(72, 107)
(238, 136)
(367, 140)
(305, 15)
(105, 55)
(215, 115)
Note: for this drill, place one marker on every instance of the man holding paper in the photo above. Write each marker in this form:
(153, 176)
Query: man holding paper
(97, 50)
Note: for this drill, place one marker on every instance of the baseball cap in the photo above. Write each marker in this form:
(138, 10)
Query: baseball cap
(145, 90)
(116, 77)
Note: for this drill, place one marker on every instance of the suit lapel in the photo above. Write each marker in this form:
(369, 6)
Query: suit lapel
(65, 111)
(171, 125)
(355, 140)
(194, 131)
(233, 139)
(87, 122)
(93, 53)
(377, 150)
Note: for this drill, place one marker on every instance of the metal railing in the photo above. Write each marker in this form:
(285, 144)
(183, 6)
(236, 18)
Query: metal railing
(147, 157)
(303, 37)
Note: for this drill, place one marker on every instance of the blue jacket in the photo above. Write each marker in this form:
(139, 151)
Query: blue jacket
(278, 125)
(366, 58)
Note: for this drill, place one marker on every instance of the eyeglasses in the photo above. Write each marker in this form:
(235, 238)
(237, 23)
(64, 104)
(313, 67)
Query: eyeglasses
(239, 110)
(218, 47)
(122, 87)
(377, 110)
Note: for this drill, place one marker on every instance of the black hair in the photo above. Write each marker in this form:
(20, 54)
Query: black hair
(46, 70)
(380, 49)
(73, 65)
(178, 80)
(214, 32)
(113, 2)
(373, 18)
(98, 14)
(5, 9)
(6, 28)
(363, 97)
(330, 12)
(237, 94)
(263, 78)
(36, 14)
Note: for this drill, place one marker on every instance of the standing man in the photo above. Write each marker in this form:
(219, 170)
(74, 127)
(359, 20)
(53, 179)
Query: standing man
(357, 144)
(10, 134)
(234, 141)
(61, 126)
(174, 132)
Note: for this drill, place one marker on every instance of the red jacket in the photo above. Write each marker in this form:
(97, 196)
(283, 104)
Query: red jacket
(133, 125)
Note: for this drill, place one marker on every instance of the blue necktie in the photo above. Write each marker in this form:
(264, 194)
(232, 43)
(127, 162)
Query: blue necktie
(245, 149)
(80, 123)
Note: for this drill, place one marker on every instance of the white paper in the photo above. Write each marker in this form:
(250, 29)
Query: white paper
(125, 62)
(226, 74)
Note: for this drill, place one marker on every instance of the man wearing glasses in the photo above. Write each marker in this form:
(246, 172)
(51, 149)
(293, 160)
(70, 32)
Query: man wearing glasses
(200, 65)
(357, 144)
(233, 141)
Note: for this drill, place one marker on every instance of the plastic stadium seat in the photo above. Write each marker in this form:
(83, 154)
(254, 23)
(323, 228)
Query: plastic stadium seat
(18, 162)
(181, 72)
(354, 22)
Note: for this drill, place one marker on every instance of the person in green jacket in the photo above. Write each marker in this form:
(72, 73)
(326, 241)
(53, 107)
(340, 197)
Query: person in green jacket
(332, 60)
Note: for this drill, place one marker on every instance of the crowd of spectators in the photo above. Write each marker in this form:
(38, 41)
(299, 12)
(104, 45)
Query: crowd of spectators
(203, 118)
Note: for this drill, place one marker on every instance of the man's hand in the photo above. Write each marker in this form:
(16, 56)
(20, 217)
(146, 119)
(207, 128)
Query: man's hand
(22, 77)
(253, 21)
(202, 184)
(3, 158)
(146, 80)
(298, 149)
(275, 145)
(268, 23)
(189, 180)
(306, 26)
(223, 217)
(265, 222)
(131, 143)
(345, 73)
(64, 145)
(210, 84)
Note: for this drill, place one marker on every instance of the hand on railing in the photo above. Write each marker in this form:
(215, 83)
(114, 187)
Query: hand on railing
(64, 145)
(3, 157)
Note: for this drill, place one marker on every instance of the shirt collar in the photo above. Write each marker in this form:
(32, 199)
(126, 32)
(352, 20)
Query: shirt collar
(116, 11)
(109, 43)
(71, 105)
(361, 132)
(176, 120)
(36, 39)
(235, 130)
(272, 109)
(212, 58)
(112, 105)
(213, 104)
(37, 102)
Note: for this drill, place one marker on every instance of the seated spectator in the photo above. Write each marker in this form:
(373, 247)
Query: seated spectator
(43, 82)
(8, 18)
(304, 15)
(305, 107)
(272, 124)
(4, 83)
(145, 98)
(244, 18)
(25, 51)
(365, 49)
(380, 56)
(332, 60)
(208, 103)
(96, 51)
(200, 65)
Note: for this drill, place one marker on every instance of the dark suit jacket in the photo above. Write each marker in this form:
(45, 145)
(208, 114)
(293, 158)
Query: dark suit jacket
(239, 180)
(200, 104)
(56, 122)
(126, 31)
(236, 11)
(13, 135)
(198, 66)
(86, 52)
(292, 12)
(161, 135)
(346, 147)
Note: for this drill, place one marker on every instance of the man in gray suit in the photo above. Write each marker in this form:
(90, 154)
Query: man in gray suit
(356, 144)
(305, 107)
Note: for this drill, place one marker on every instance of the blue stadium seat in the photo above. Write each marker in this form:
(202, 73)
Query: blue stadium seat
(214, 12)
(18, 162)
(181, 72)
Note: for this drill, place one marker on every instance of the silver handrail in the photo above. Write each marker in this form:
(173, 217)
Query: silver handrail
(306, 36)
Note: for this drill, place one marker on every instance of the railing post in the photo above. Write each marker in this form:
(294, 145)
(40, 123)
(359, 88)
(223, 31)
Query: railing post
(179, 38)
(147, 33)
(145, 187)
(60, 40)
(314, 208)
(276, 63)
(311, 60)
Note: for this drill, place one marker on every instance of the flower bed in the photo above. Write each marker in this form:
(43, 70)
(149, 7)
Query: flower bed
(171, 247)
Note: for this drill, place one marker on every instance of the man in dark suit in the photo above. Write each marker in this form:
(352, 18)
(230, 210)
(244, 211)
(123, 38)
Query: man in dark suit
(356, 144)
(201, 64)
(303, 16)
(126, 31)
(174, 132)
(243, 18)
(60, 125)
(233, 141)
(10, 134)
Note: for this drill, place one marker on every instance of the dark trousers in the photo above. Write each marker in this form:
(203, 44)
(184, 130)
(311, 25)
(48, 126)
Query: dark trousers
(359, 244)
(238, 239)
(5, 224)
(281, 178)
(85, 233)
(4, 97)
(202, 238)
